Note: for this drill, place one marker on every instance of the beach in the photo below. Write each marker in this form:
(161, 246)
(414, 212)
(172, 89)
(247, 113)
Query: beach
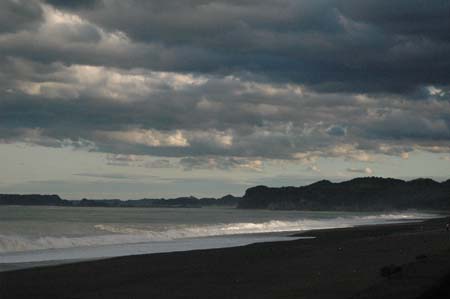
(224, 149)
(337, 263)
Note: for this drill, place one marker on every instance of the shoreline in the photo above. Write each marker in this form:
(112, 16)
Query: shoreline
(115, 251)
(338, 263)
(41, 258)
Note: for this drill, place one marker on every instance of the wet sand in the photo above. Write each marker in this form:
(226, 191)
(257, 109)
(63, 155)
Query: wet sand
(338, 263)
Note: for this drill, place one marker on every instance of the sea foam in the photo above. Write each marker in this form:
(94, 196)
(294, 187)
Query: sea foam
(113, 234)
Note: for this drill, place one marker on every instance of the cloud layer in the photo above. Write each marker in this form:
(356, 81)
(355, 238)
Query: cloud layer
(227, 84)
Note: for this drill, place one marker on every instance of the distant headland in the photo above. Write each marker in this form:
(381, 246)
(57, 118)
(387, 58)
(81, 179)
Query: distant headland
(55, 200)
(359, 194)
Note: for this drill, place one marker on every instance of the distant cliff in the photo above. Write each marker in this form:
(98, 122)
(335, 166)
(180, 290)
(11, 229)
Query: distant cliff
(55, 200)
(361, 194)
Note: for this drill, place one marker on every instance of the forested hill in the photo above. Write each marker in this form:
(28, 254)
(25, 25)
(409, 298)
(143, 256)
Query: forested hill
(360, 194)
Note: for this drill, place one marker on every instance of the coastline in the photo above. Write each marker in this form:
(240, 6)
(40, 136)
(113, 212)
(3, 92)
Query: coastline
(338, 263)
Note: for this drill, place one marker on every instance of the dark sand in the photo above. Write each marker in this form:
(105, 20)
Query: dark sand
(340, 263)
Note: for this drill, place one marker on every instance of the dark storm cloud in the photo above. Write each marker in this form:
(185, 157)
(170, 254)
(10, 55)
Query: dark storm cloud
(409, 17)
(19, 15)
(223, 84)
(340, 45)
(333, 45)
(404, 124)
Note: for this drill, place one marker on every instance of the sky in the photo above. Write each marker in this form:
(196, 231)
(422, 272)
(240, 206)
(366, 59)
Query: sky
(144, 98)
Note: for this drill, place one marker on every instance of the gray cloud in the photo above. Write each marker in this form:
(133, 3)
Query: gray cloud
(406, 17)
(227, 163)
(223, 84)
(160, 163)
(367, 170)
(74, 4)
(114, 176)
(406, 124)
(176, 115)
(333, 45)
(19, 15)
(336, 131)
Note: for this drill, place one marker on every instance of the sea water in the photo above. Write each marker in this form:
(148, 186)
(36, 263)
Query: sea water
(59, 234)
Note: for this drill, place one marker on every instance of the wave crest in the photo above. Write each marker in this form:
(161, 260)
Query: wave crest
(122, 234)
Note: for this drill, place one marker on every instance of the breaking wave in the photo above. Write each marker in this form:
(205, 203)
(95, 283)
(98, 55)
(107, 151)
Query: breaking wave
(113, 234)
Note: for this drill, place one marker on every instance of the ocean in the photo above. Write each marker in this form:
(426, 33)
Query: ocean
(40, 235)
